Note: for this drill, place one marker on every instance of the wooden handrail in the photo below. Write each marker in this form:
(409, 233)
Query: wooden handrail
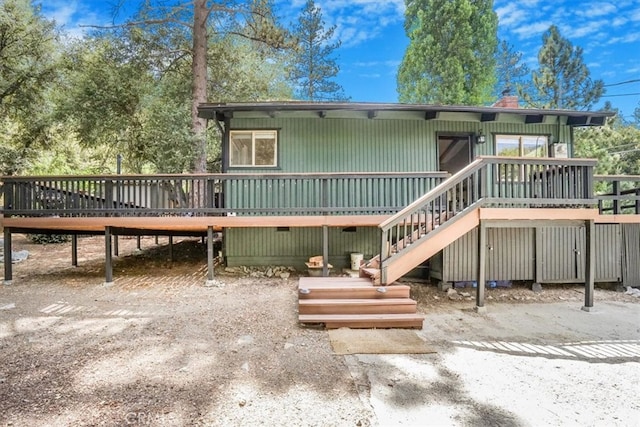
(433, 193)
(228, 176)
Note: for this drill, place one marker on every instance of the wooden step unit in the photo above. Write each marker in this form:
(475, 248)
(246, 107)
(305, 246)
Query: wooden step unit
(365, 321)
(356, 303)
(357, 306)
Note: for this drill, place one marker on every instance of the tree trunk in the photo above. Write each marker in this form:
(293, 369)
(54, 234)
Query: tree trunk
(199, 84)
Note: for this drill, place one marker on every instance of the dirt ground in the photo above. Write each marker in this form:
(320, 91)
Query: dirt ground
(158, 348)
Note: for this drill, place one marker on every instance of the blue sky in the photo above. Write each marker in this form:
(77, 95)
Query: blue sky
(374, 41)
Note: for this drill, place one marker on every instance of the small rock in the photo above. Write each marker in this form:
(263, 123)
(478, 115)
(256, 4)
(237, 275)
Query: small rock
(288, 345)
(285, 275)
(270, 272)
(465, 294)
(452, 294)
(536, 287)
(245, 340)
(242, 402)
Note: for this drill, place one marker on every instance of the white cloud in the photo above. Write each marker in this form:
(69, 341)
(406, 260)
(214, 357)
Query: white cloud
(625, 38)
(72, 16)
(532, 30)
(596, 9)
(588, 28)
(510, 15)
(356, 21)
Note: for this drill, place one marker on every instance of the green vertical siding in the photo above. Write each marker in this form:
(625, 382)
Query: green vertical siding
(268, 246)
(351, 145)
(341, 145)
(511, 255)
(377, 145)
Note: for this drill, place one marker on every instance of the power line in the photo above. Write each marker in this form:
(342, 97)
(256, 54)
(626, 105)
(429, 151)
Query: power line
(621, 94)
(623, 83)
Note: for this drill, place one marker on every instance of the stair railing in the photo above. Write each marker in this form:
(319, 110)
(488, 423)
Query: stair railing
(505, 182)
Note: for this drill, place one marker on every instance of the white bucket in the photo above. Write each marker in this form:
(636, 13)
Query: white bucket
(356, 260)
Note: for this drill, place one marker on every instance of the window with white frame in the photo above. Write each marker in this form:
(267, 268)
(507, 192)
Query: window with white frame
(521, 145)
(253, 148)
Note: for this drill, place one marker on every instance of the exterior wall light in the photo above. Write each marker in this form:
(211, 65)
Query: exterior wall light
(480, 138)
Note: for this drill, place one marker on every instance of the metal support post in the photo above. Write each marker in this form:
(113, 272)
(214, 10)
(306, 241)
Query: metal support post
(210, 267)
(482, 262)
(74, 250)
(108, 265)
(590, 263)
(8, 268)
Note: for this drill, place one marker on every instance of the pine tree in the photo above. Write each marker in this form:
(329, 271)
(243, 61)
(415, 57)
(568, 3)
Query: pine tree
(511, 72)
(451, 55)
(563, 80)
(313, 66)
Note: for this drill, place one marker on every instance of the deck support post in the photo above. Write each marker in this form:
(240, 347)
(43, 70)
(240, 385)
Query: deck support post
(171, 248)
(482, 262)
(108, 265)
(325, 251)
(211, 282)
(74, 250)
(116, 249)
(589, 267)
(8, 268)
(210, 266)
(138, 243)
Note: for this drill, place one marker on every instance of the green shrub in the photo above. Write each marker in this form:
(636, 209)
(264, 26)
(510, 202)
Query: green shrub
(48, 238)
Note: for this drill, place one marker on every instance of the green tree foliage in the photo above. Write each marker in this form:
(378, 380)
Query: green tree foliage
(104, 100)
(451, 55)
(28, 58)
(198, 21)
(563, 80)
(313, 66)
(511, 73)
(616, 146)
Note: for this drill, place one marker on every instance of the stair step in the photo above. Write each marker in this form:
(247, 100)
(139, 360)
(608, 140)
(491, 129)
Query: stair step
(334, 321)
(335, 282)
(354, 292)
(374, 273)
(357, 306)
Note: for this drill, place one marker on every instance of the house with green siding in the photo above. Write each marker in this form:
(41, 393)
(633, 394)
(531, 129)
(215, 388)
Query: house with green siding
(457, 193)
(362, 160)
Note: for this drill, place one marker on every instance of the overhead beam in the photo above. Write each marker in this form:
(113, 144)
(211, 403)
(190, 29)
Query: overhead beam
(488, 117)
(577, 120)
(534, 118)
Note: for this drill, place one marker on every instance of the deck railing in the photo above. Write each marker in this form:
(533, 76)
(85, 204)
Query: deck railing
(215, 194)
(621, 194)
(490, 182)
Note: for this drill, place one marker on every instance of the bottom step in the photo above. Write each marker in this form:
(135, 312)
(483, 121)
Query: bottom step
(334, 321)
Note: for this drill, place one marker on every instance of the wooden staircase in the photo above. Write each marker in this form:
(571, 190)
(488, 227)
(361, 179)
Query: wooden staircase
(348, 302)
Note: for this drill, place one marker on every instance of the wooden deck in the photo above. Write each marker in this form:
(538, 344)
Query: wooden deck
(177, 224)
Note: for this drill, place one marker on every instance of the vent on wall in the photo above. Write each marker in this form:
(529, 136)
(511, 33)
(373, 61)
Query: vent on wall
(349, 230)
(282, 229)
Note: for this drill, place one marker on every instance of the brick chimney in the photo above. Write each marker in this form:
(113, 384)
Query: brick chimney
(507, 100)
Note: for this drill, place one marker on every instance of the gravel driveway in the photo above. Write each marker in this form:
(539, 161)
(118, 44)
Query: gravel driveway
(157, 348)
